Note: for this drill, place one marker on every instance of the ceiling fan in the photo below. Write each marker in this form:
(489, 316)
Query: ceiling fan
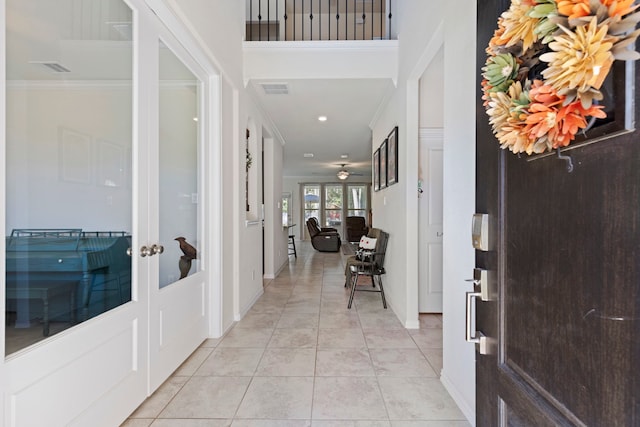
(344, 173)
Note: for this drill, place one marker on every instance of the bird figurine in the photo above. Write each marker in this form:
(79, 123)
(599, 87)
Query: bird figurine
(184, 265)
(190, 253)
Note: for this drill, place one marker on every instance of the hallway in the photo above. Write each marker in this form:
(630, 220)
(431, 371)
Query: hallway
(301, 358)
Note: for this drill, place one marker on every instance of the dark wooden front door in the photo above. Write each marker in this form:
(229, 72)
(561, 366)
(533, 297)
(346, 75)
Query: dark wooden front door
(566, 317)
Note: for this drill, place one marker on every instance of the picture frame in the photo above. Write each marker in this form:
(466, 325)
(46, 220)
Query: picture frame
(75, 153)
(392, 157)
(376, 170)
(383, 164)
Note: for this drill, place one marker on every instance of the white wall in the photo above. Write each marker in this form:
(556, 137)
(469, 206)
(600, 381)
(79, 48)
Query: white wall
(230, 240)
(458, 372)
(276, 252)
(219, 27)
(424, 27)
(432, 93)
(396, 207)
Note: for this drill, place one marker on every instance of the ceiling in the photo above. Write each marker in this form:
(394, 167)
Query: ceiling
(350, 106)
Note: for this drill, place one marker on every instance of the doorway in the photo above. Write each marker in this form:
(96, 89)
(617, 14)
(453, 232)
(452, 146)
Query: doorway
(430, 186)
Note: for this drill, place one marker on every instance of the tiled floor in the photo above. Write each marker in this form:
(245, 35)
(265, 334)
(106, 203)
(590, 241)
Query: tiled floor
(301, 358)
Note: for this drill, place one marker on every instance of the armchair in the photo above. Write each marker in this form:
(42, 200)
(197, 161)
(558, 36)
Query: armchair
(356, 228)
(323, 239)
(317, 225)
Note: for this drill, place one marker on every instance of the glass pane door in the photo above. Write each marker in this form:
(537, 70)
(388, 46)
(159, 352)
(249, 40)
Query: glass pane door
(179, 169)
(68, 164)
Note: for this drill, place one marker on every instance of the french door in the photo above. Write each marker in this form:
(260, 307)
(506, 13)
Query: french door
(103, 190)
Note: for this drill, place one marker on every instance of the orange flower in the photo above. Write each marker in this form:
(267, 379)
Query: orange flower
(572, 118)
(549, 118)
(619, 7)
(544, 94)
(496, 40)
(574, 8)
(579, 8)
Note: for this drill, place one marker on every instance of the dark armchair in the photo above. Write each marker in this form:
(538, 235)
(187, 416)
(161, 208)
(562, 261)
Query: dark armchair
(323, 239)
(356, 228)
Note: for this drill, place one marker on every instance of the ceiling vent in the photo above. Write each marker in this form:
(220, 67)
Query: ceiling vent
(275, 88)
(52, 66)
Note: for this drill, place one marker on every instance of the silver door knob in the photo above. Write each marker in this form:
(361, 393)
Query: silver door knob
(157, 249)
(129, 251)
(145, 251)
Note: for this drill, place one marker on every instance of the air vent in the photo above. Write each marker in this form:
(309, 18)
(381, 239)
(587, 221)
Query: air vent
(52, 66)
(275, 88)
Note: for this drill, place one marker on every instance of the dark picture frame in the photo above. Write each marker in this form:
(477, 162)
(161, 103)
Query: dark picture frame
(376, 170)
(392, 157)
(383, 164)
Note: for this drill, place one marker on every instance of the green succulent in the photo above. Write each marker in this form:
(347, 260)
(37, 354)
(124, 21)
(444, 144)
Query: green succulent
(545, 11)
(500, 71)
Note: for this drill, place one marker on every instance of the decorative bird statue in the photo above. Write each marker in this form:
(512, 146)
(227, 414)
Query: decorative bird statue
(190, 253)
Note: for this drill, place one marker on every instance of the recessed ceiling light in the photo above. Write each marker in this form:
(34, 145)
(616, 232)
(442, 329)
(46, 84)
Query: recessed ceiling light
(307, 155)
(322, 118)
(344, 156)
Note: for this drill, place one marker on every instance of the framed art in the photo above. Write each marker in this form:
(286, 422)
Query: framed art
(392, 157)
(75, 156)
(376, 170)
(383, 164)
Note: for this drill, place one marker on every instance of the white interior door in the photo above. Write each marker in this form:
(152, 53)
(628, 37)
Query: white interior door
(430, 222)
(104, 166)
(75, 292)
(179, 288)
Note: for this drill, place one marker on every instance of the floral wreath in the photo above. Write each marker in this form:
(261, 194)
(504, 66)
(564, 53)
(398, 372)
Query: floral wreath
(546, 63)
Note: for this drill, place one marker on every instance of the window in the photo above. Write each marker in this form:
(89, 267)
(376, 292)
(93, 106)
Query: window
(286, 209)
(330, 203)
(357, 200)
(333, 202)
(311, 202)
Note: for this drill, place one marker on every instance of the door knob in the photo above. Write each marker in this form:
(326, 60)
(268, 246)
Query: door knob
(145, 251)
(129, 251)
(157, 249)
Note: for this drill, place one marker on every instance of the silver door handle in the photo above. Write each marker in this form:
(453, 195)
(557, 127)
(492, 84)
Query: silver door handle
(468, 335)
(145, 251)
(475, 337)
(157, 249)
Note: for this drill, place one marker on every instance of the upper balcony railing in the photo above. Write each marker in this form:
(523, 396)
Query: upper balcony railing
(287, 20)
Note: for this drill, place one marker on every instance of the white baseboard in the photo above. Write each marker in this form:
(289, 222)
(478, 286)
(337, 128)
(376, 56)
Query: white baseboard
(412, 324)
(464, 406)
(255, 299)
